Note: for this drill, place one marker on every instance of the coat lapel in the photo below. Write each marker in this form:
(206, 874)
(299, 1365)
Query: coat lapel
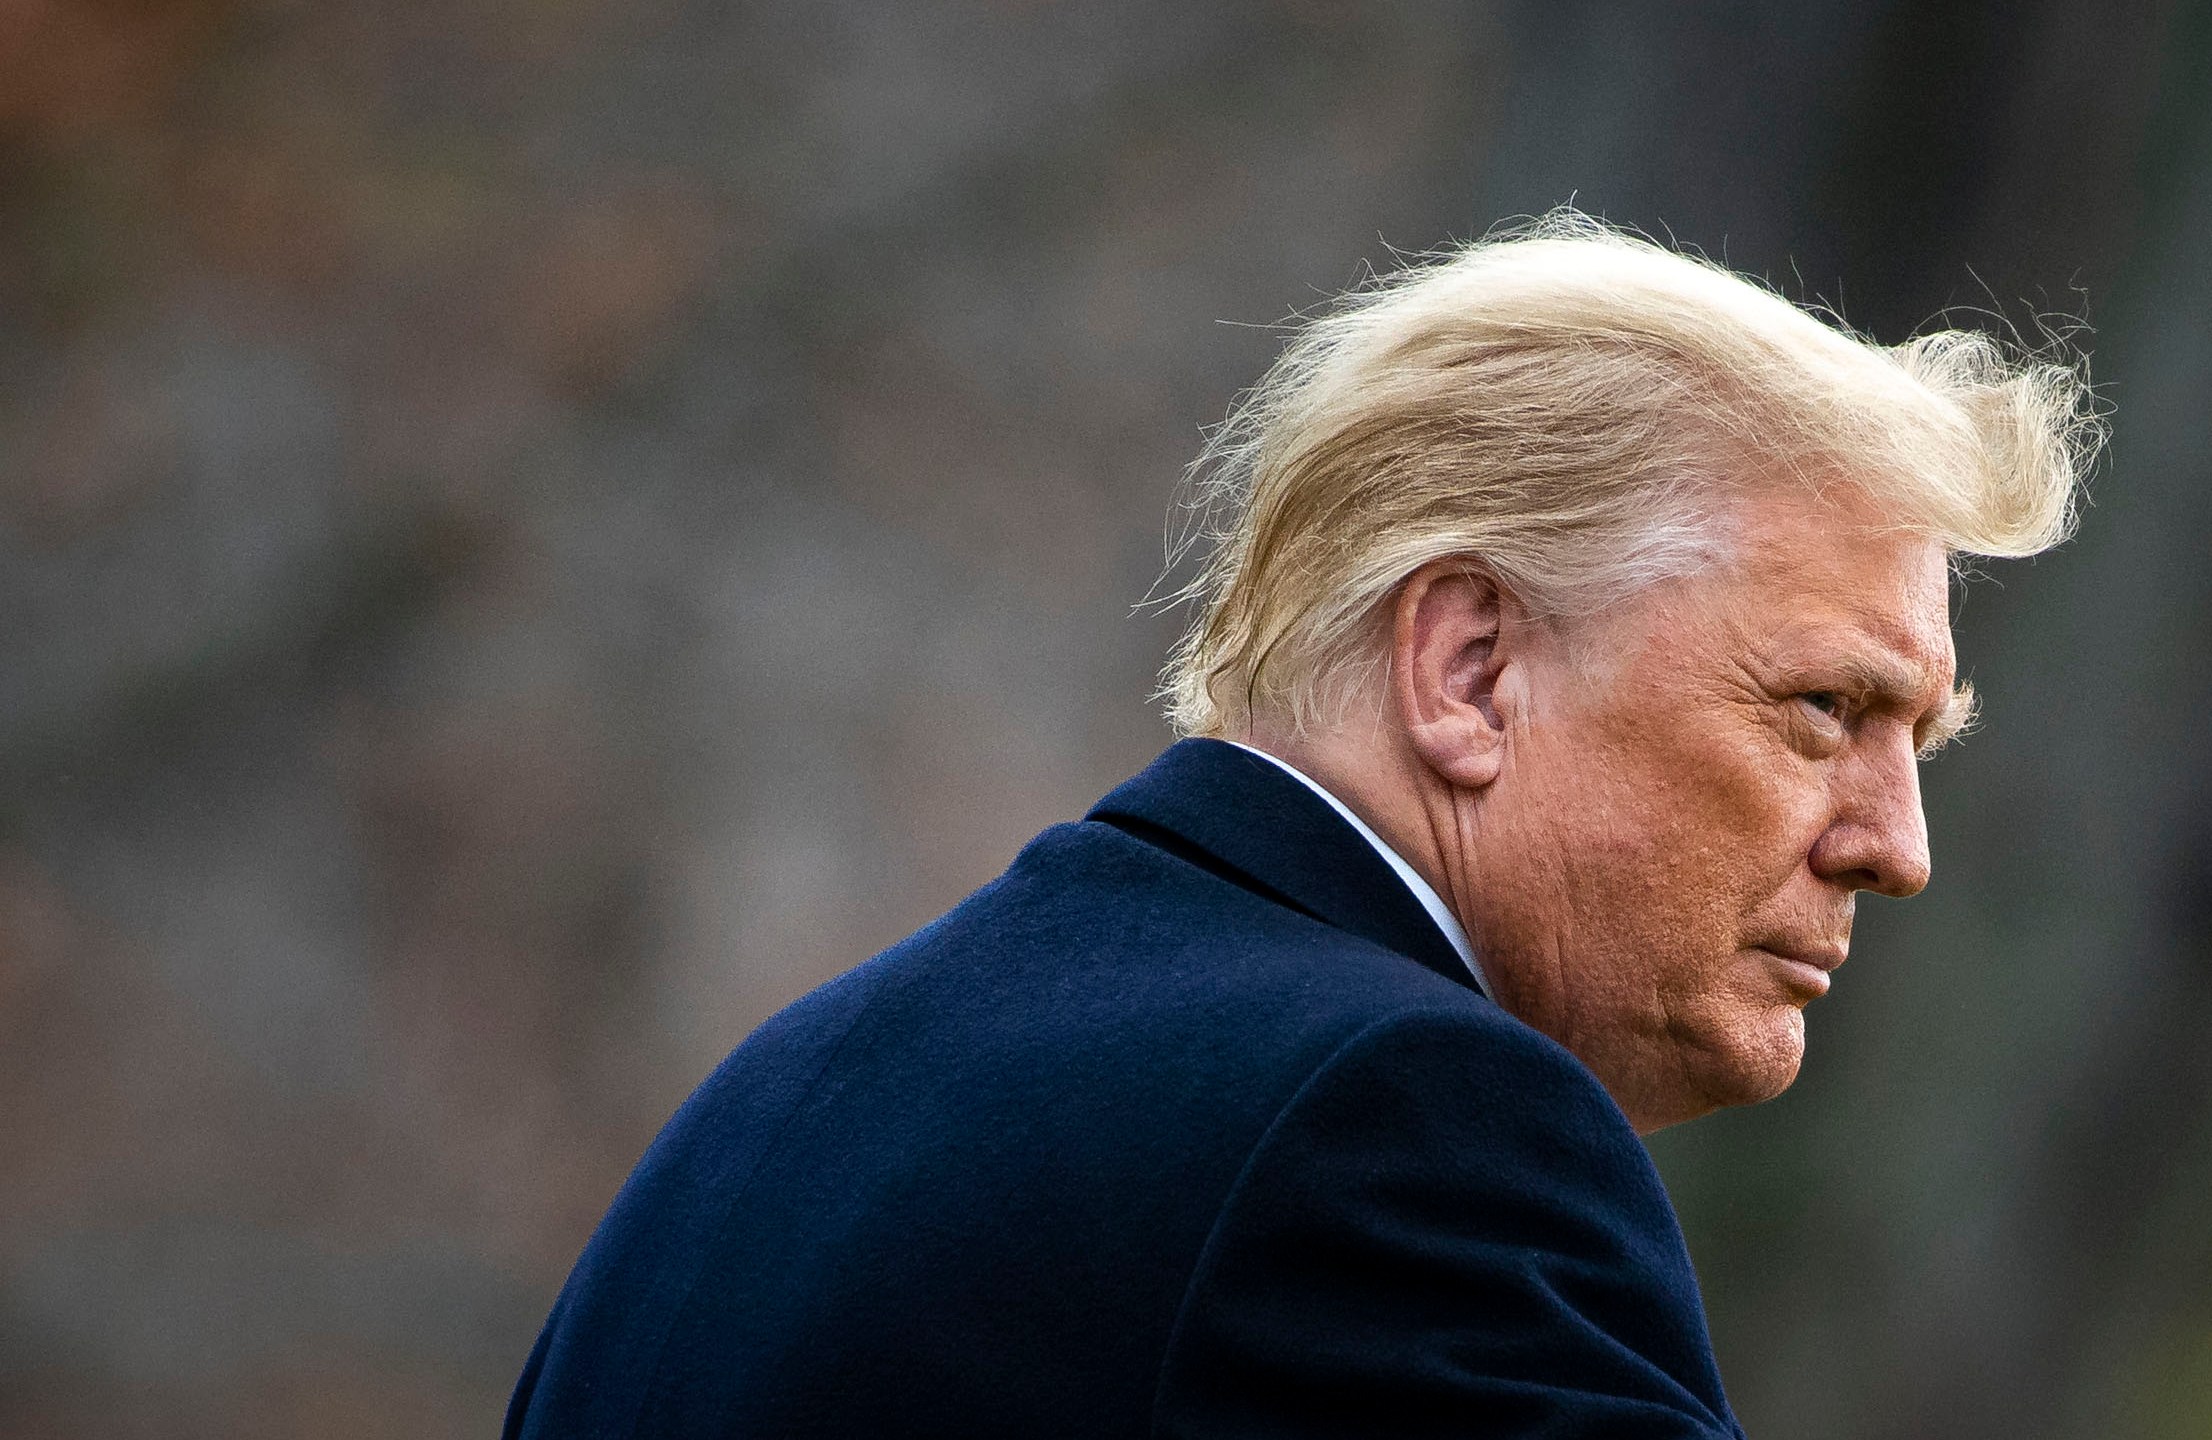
(1261, 828)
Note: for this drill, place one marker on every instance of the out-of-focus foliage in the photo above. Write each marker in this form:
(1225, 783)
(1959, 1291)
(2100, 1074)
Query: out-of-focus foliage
(533, 533)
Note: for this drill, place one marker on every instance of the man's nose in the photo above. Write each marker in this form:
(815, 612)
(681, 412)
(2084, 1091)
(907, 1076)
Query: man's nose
(1878, 838)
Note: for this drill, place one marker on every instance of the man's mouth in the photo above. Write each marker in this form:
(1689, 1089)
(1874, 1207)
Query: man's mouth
(1806, 966)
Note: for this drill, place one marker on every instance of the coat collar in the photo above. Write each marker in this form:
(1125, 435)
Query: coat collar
(1270, 833)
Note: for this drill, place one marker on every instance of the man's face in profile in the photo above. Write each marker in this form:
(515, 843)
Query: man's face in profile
(1700, 795)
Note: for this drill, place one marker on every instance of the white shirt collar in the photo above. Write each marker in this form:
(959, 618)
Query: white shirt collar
(1432, 902)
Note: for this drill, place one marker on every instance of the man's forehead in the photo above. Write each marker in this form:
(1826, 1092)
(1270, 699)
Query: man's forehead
(1903, 657)
(1823, 571)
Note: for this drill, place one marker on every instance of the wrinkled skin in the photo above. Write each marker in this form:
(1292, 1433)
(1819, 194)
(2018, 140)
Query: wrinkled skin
(1653, 827)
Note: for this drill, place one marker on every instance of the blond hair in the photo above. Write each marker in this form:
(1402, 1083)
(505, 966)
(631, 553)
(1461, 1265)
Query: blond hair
(1568, 406)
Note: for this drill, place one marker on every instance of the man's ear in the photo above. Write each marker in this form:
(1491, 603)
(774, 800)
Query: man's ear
(1446, 658)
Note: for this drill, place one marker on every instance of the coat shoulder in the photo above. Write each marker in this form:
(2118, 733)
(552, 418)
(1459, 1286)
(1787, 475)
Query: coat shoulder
(1452, 1220)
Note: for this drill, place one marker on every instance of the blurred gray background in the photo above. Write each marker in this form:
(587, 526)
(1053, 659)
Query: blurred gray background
(532, 532)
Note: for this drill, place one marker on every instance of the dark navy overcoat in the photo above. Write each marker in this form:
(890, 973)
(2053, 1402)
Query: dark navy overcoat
(1190, 1124)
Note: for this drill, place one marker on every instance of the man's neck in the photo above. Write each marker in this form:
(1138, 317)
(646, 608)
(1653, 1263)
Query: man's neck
(1444, 917)
(1378, 781)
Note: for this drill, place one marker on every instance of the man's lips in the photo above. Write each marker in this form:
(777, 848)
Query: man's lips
(1806, 965)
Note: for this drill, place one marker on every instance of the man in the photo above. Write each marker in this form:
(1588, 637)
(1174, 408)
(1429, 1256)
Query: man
(1576, 619)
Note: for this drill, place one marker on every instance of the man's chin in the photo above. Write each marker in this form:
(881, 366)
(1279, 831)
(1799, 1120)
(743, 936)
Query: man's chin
(1743, 1059)
(1758, 1059)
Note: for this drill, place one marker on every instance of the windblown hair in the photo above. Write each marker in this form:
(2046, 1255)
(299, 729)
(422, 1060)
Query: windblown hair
(1573, 408)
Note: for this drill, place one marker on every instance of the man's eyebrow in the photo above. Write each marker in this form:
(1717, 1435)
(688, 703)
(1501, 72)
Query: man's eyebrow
(1892, 679)
(1901, 682)
(1954, 719)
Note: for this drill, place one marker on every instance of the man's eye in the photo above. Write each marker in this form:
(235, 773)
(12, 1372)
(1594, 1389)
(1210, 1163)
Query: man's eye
(1827, 702)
